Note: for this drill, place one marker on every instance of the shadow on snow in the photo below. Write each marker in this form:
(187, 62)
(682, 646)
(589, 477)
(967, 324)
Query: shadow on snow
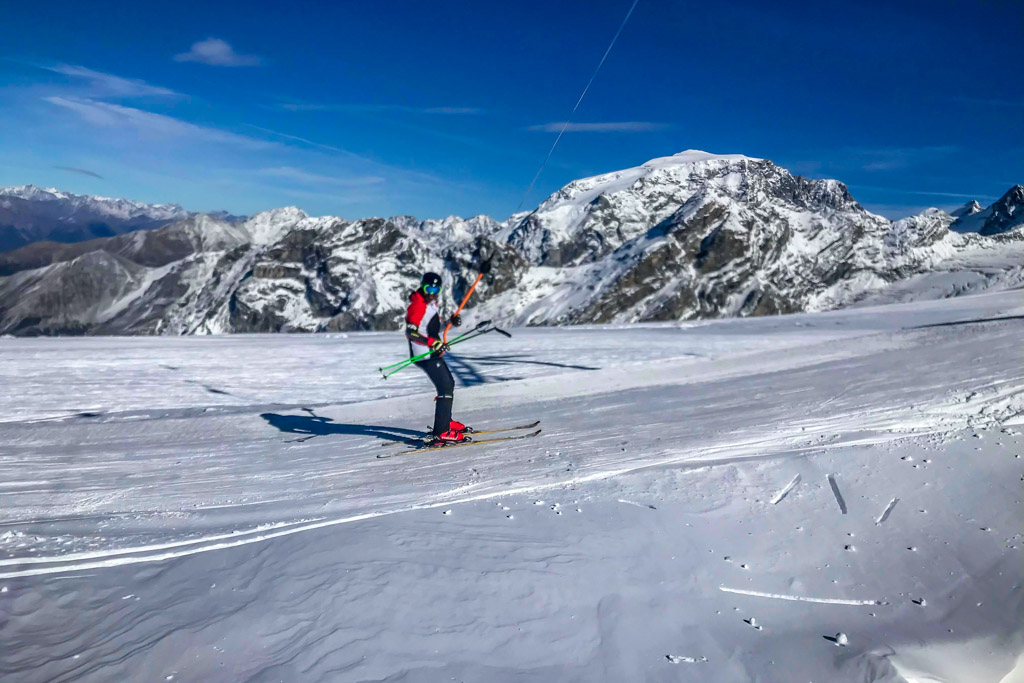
(463, 367)
(314, 425)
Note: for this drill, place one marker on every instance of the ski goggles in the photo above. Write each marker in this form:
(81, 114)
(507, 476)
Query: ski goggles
(432, 289)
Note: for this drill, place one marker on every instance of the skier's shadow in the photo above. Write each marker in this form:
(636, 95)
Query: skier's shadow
(464, 367)
(524, 359)
(469, 376)
(314, 425)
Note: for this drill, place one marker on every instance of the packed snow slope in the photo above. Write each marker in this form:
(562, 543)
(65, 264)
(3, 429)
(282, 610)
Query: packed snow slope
(690, 236)
(814, 497)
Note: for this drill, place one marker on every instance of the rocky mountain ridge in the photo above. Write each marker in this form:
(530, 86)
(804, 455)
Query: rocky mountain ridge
(1004, 215)
(30, 214)
(690, 236)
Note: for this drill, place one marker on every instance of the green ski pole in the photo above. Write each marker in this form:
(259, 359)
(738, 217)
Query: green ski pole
(389, 370)
(422, 355)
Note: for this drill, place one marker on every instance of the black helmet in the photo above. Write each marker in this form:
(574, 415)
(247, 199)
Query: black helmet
(431, 283)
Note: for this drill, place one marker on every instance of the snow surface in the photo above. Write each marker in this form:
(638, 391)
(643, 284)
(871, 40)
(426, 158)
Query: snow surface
(817, 497)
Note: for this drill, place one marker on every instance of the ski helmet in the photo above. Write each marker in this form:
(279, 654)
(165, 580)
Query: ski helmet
(431, 283)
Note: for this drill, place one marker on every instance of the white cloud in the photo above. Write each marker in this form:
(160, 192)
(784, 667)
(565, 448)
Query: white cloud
(892, 158)
(374, 166)
(456, 111)
(105, 85)
(333, 197)
(603, 127)
(453, 110)
(304, 141)
(308, 178)
(216, 52)
(107, 115)
(291, 106)
(930, 193)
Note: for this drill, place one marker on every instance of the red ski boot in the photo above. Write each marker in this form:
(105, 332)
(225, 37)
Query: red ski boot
(458, 427)
(449, 437)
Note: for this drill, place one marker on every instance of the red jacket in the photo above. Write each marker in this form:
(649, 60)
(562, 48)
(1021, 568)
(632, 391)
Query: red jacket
(422, 323)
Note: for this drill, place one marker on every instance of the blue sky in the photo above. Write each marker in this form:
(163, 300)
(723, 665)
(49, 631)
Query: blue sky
(435, 108)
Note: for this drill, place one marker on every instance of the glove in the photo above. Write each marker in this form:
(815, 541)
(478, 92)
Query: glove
(456, 320)
(439, 347)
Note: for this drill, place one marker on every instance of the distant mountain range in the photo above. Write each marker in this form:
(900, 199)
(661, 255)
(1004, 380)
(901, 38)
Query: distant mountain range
(689, 236)
(30, 214)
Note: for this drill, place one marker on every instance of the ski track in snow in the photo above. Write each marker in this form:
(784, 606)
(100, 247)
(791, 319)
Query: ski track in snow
(799, 598)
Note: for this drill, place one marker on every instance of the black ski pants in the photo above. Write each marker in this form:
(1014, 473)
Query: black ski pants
(438, 372)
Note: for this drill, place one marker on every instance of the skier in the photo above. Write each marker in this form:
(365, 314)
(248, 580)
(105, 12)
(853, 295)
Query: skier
(423, 330)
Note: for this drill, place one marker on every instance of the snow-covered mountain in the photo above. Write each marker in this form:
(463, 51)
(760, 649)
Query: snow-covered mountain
(690, 236)
(29, 214)
(967, 209)
(1005, 215)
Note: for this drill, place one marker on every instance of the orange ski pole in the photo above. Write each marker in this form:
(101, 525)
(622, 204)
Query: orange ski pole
(459, 309)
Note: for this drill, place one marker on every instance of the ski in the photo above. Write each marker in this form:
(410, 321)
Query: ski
(459, 444)
(416, 442)
(502, 429)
